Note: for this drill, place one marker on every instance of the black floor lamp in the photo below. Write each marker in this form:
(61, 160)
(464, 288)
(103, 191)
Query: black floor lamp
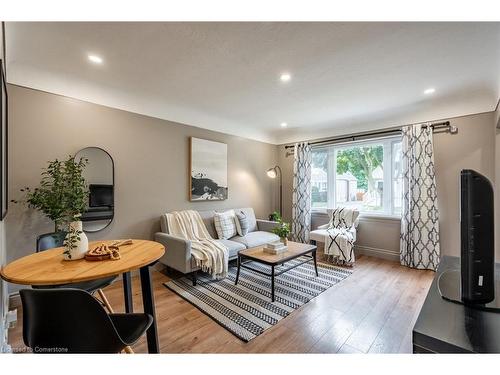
(273, 173)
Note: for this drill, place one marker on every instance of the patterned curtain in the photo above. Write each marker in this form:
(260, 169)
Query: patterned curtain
(301, 196)
(419, 221)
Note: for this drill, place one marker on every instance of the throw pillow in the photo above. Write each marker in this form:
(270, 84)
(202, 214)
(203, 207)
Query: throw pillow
(225, 224)
(242, 223)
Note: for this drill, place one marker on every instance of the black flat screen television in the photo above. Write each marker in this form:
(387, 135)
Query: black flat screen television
(100, 195)
(477, 238)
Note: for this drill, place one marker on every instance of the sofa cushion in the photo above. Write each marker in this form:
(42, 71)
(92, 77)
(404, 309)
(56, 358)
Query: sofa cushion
(256, 238)
(225, 224)
(232, 247)
(242, 223)
(250, 214)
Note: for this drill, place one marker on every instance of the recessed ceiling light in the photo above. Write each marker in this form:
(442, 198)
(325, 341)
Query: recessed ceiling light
(284, 124)
(285, 77)
(95, 59)
(429, 91)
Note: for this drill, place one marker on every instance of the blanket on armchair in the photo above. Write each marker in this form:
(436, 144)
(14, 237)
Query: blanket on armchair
(211, 256)
(341, 234)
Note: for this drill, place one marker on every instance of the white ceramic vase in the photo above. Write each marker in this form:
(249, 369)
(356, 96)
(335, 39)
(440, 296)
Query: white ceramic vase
(81, 246)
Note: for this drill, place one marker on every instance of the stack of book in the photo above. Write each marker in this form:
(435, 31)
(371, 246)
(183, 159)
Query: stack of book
(275, 248)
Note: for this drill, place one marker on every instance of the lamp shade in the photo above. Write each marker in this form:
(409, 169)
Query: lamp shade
(271, 172)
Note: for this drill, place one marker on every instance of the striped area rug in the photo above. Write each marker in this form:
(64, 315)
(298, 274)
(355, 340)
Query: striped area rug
(246, 309)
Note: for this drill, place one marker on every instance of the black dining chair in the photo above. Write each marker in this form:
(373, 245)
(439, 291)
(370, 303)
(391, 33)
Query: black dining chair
(72, 321)
(50, 240)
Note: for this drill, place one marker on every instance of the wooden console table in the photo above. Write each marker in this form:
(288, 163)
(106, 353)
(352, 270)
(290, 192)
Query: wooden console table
(49, 268)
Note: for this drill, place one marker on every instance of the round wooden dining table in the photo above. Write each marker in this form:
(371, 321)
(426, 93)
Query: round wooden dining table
(49, 268)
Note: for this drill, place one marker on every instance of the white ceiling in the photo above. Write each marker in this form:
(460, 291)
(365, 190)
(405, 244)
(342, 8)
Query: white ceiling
(225, 76)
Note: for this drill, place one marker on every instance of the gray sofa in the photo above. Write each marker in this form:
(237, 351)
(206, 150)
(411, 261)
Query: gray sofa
(178, 250)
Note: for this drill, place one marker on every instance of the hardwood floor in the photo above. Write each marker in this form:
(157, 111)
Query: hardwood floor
(372, 311)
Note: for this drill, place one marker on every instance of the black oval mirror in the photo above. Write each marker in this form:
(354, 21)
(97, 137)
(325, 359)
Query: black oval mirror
(100, 177)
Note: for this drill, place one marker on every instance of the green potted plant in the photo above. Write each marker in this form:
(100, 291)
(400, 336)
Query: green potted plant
(283, 231)
(275, 216)
(62, 197)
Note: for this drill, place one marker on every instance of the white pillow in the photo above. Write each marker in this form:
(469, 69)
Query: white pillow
(225, 224)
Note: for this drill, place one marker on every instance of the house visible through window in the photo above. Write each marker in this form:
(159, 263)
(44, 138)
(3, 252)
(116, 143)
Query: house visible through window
(364, 175)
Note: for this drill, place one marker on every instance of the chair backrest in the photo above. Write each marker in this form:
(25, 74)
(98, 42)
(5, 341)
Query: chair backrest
(67, 321)
(49, 240)
(343, 217)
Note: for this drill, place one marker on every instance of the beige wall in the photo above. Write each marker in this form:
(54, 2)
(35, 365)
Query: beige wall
(151, 164)
(473, 147)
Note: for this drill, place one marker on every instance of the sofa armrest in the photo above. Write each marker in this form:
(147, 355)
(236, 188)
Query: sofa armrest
(177, 252)
(266, 225)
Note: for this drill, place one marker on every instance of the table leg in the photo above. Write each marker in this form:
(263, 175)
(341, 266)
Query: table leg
(149, 308)
(272, 283)
(127, 293)
(315, 262)
(238, 262)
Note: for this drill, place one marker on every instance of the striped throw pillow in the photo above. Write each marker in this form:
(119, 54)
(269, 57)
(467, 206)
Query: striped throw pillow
(242, 223)
(225, 224)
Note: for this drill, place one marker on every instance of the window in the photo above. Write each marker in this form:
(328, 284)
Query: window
(364, 175)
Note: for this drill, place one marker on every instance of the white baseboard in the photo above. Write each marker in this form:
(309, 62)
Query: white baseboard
(376, 252)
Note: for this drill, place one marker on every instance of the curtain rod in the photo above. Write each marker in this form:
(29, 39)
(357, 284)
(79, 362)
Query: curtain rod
(436, 126)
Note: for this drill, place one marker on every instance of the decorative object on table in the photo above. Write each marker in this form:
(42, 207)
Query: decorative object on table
(105, 252)
(99, 176)
(275, 248)
(273, 173)
(283, 231)
(76, 242)
(275, 216)
(208, 170)
(301, 193)
(3, 144)
(62, 197)
(341, 235)
(246, 309)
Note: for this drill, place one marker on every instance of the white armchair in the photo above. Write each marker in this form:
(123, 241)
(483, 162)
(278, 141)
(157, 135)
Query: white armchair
(338, 235)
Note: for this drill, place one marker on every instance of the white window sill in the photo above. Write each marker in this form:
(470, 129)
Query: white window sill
(363, 215)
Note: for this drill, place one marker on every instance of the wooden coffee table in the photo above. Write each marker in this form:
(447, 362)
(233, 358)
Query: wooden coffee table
(257, 254)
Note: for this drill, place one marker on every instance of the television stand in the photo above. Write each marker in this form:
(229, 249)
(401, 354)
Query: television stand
(449, 287)
(447, 327)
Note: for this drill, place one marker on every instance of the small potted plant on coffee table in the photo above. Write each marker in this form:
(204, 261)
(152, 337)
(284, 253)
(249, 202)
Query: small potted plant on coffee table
(283, 231)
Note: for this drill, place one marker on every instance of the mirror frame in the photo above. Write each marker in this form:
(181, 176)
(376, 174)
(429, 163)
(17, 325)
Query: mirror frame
(113, 179)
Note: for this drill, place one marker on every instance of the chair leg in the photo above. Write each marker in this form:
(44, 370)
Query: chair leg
(105, 301)
(127, 349)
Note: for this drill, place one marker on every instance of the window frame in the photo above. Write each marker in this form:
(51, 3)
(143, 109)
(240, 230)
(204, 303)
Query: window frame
(388, 164)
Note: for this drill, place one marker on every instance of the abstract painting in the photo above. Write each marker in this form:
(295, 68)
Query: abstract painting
(208, 170)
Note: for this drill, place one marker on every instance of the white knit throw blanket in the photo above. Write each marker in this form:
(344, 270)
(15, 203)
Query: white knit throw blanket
(210, 255)
(339, 240)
